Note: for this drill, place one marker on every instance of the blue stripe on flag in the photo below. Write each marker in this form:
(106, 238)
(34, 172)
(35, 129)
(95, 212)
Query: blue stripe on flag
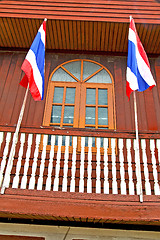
(132, 61)
(132, 64)
(141, 82)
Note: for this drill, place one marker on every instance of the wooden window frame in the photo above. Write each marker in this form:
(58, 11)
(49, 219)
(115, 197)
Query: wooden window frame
(80, 85)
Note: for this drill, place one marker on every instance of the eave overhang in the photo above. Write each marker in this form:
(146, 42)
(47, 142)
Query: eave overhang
(79, 26)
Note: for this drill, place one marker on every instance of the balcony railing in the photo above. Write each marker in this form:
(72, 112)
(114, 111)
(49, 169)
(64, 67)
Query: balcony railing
(78, 160)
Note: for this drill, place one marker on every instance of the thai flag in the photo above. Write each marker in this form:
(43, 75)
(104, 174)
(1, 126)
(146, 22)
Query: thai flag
(33, 65)
(139, 76)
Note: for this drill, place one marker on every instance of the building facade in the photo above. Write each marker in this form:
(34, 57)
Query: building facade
(75, 172)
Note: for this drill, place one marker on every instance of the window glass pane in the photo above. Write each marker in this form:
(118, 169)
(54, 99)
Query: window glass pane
(49, 140)
(91, 96)
(56, 114)
(68, 114)
(101, 140)
(93, 141)
(102, 116)
(58, 95)
(101, 77)
(63, 140)
(89, 68)
(70, 142)
(102, 97)
(56, 140)
(70, 95)
(74, 68)
(90, 115)
(61, 75)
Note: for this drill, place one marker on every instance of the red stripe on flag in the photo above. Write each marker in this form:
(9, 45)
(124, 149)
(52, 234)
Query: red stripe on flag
(139, 44)
(29, 78)
(128, 90)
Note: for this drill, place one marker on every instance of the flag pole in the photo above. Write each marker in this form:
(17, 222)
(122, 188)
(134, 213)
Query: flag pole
(14, 142)
(139, 180)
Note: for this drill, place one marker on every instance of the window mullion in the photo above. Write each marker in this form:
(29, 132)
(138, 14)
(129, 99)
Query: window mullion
(96, 120)
(63, 106)
(81, 77)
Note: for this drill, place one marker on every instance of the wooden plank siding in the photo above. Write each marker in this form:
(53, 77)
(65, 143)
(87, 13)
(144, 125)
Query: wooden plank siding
(11, 93)
(114, 11)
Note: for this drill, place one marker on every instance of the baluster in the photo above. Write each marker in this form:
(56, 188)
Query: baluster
(7, 177)
(5, 153)
(89, 169)
(65, 171)
(122, 171)
(81, 181)
(130, 172)
(98, 168)
(114, 179)
(56, 180)
(155, 174)
(40, 179)
(50, 165)
(106, 182)
(1, 138)
(146, 173)
(34, 165)
(138, 168)
(158, 148)
(72, 186)
(26, 165)
(18, 167)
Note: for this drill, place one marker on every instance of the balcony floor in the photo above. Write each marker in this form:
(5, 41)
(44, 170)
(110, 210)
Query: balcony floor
(79, 207)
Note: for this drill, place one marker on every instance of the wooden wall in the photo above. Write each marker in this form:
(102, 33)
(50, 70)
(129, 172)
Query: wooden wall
(11, 93)
(114, 11)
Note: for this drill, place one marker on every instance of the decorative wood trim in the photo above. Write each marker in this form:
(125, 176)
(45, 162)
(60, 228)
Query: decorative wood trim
(83, 132)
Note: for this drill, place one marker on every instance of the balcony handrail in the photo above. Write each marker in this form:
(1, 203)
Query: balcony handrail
(85, 132)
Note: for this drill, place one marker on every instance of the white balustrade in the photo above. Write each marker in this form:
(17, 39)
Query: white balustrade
(73, 169)
(106, 182)
(122, 171)
(146, 172)
(114, 177)
(34, 165)
(98, 167)
(158, 148)
(138, 168)
(56, 180)
(154, 166)
(50, 165)
(1, 138)
(40, 179)
(130, 171)
(4, 159)
(113, 149)
(18, 166)
(81, 181)
(65, 169)
(89, 168)
(26, 165)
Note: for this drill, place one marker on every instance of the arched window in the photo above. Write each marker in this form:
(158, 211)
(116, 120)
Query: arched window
(80, 94)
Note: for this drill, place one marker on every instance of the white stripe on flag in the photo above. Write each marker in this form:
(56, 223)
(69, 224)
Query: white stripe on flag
(132, 79)
(36, 73)
(42, 32)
